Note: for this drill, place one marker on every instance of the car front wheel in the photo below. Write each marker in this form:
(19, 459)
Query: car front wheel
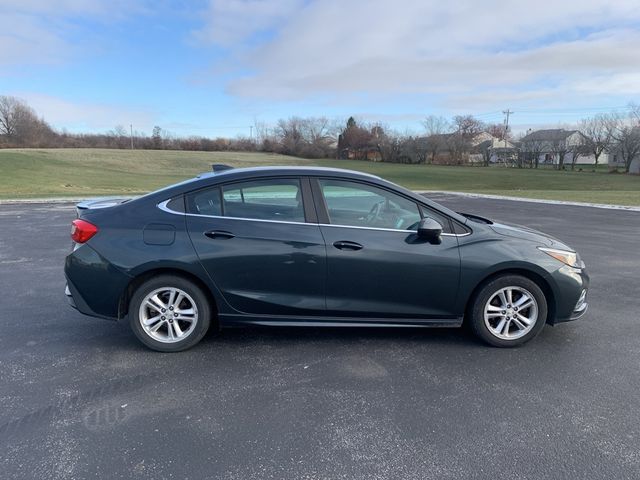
(508, 311)
(169, 313)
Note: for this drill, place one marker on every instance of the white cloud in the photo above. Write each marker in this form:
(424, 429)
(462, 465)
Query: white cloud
(37, 31)
(228, 22)
(79, 116)
(478, 51)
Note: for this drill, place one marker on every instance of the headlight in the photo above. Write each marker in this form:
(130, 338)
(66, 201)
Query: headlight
(565, 256)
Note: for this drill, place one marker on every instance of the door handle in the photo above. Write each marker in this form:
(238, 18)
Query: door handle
(347, 245)
(219, 234)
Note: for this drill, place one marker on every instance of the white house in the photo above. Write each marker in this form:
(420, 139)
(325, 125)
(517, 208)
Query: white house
(551, 145)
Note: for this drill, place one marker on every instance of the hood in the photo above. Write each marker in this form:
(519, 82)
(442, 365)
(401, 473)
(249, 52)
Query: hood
(526, 233)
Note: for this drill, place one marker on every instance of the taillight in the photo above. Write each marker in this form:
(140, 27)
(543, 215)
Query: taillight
(81, 230)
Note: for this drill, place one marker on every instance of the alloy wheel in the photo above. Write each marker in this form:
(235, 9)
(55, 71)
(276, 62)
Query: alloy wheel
(511, 313)
(168, 314)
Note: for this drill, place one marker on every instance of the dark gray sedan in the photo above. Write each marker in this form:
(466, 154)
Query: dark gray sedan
(313, 247)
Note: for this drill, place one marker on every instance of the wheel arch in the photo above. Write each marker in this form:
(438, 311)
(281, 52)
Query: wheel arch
(125, 298)
(531, 275)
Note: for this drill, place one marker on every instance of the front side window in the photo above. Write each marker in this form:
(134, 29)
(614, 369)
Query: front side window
(360, 205)
(273, 199)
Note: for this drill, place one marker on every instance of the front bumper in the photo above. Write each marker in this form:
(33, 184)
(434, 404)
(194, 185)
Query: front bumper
(571, 294)
(581, 307)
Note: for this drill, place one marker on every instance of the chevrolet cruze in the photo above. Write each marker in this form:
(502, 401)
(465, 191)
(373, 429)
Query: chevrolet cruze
(312, 247)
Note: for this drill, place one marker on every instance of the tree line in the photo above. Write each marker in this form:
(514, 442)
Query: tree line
(320, 137)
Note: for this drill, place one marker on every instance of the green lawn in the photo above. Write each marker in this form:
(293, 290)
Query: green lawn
(43, 173)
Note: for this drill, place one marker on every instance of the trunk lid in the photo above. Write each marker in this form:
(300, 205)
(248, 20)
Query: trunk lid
(98, 203)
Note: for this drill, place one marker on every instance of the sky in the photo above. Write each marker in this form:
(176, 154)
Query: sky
(217, 67)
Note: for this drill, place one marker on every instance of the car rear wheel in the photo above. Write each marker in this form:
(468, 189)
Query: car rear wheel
(169, 313)
(508, 311)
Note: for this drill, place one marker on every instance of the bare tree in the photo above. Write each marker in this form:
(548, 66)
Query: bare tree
(435, 127)
(486, 150)
(560, 149)
(289, 133)
(625, 133)
(597, 135)
(20, 125)
(8, 115)
(466, 127)
(389, 146)
(497, 130)
(156, 137)
(634, 113)
(356, 140)
(580, 149)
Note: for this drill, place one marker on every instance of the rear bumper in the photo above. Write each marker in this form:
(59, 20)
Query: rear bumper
(76, 301)
(67, 292)
(94, 286)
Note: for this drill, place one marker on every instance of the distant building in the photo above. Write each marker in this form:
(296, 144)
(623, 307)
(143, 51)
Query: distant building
(453, 148)
(550, 145)
(494, 150)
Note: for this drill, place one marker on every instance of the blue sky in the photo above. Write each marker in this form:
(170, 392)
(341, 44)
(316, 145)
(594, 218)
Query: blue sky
(214, 67)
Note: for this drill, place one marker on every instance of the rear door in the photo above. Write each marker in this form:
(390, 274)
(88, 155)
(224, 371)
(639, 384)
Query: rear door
(260, 243)
(377, 267)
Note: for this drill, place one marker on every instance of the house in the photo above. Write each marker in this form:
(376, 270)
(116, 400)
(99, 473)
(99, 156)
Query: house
(364, 153)
(616, 157)
(494, 150)
(455, 148)
(555, 146)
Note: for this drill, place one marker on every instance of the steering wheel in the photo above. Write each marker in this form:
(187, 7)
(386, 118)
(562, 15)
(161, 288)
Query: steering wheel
(375, 212)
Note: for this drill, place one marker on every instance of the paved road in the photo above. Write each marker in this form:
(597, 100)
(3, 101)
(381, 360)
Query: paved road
(81, 398)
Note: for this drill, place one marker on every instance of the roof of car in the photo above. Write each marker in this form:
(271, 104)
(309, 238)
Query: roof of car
(286, 170)
(231, 174)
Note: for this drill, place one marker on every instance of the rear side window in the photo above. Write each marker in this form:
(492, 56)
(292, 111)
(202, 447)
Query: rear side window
(273, 199)
(205, 202)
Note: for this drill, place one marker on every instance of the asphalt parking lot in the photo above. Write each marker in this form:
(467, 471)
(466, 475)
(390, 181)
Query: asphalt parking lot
(81, 398)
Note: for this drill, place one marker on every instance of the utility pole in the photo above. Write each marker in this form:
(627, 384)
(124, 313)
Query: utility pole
(131, 136)
(251, 132)
(507, 112)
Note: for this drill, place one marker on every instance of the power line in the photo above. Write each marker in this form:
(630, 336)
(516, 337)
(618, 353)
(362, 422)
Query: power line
(507, 112)
(557, 111)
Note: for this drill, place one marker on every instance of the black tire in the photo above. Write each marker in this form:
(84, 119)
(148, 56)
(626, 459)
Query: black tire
(195, 295)
(485, 294)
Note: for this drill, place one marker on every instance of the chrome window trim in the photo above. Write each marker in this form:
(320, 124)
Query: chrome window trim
(389, 229)
(250, 219)
(367, 228)
(163, 206)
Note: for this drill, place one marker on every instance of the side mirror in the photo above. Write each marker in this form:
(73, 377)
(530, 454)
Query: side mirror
(430, 230)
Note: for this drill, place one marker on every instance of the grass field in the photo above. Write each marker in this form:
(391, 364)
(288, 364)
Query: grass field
(44, 173)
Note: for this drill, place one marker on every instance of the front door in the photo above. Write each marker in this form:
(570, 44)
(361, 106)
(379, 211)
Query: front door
(255, 243)
(377, 267)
